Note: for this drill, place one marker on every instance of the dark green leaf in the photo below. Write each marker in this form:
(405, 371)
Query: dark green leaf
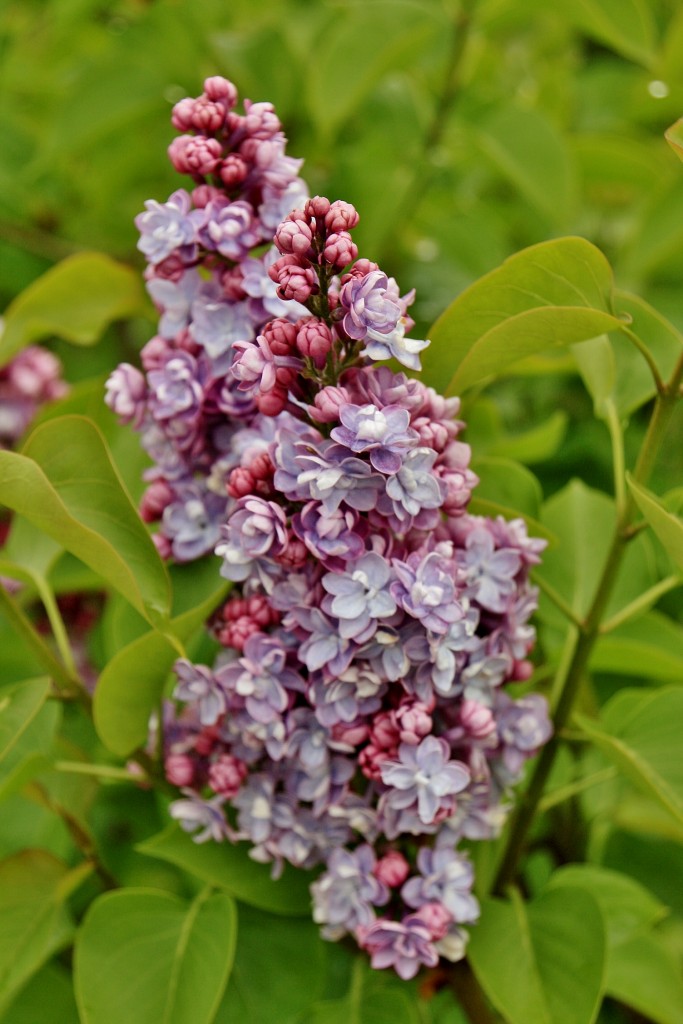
(143, 956)
(643, 974)
(51, 986)
(19, 705)
(230, 868)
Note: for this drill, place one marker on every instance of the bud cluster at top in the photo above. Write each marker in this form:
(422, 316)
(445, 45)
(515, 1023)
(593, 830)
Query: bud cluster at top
(357, 718)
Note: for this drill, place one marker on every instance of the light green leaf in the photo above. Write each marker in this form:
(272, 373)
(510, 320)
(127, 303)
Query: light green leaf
(371, 999)
(509, 484)
(66, 484)
(536, 444)
(52, 987)
(132, 683)
(19, 705)
(627, 906)
(541, 963)
(650, 647)
(640, 734)
(634, 381)
(529, 150)
(74, 300)
(674, 136)
(278, 971)
(34, 923)
(143, 956)
(668, 528)
(643, 974)
(626, 26)
(552, 294)
(229, 867)
(597, 366)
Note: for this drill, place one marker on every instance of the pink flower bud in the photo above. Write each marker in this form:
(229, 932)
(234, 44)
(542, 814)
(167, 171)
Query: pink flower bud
(371, 759)
(206, 740)
(328, 403)
(295, 554)
(234, 609)
(280, 336)
(152, 355)
(155, 499)
(219, 88)
(179, 769)
(414, 721)
(352, 735)
(360, 268)
(341, 216)
(392, 869)
(171, 269)
(202, 155)
(436, 919)
(226, 775)
(162, 544)
(202, 195)
(521, 671)
(272, 403)
(236, 633)
(177, 153)
(181, 116)
(260, 120)
(340, 249)
(294, 236)
(261, 611)
(261, 467)
(384, 732)
(476, 719)
(232, 279)
(233, 170)
(314, 340)
(297, 283)
(207, 116)
(240, 483)
(317, 207)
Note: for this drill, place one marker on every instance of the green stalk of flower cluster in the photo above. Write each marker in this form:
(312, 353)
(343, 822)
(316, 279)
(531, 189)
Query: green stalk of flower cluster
(569, 682)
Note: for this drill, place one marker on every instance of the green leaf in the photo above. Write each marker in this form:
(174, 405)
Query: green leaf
(230, 868)
(667, 527)
(650, 647)
(509, 484)
(536, 444)
(19, 705)
(634, 381)
(627, 906)
(143, 955)
(74, 300)
(34, 923)
(640, 733)
(132, 683)
(51, 986)
(278, 971)
(597, 366)
(66, 484)
(626, 26)
(552, 294)
(644, 975)
(674, 136)
(529, 150)
(372, 999)
(541, 963)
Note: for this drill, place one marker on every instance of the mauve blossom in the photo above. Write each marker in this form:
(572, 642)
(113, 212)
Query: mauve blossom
(359, 596)
(174, 298)
(384, 433)
(333, 537)
(380, 345)
(194, 813)
(198, 685)
(445, 877)
(216, 324)
(332, 476)
(427, 591)
(413, 487)
(404, 945)
(260, 677)
(229, 228)
(490, 573)
(424, 775)
(372, 303)
(192, 520)
(345, 893)
(523, 726)
(126, 393)
(255, 531)
(165, 227)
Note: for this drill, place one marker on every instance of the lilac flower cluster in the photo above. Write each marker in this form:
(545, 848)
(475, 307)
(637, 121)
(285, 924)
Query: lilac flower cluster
(356, 718)
(27, 382)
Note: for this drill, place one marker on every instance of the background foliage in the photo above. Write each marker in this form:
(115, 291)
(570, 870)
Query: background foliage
(463, 131)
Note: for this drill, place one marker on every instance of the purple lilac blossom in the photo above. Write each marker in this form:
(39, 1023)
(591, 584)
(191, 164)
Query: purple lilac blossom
(344, 895)
(404, 945)
(384, 433)
(359, 596)
(167, 227)
(424, 775)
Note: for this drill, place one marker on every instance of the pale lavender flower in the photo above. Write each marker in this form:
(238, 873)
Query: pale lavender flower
(261, 678)
(195, 813)
(414, 487)
(331, 476)
(229, 228)
(426, 591)
(126, 393)
(345, 893)
(490, 573)
(197, 685)
(404, 945)
(218, 324)
(379, 346)
(372, 303)
(523, 727)
(165, 227)
(425, 776)
(446, 877)
(175, 299)
(255, 533)
(384, 433)
(176, 390)
(331, 536)
(192, 521)
(360, 596)
(325, 647)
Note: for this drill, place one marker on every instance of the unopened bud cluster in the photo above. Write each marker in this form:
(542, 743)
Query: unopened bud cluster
(357, 718)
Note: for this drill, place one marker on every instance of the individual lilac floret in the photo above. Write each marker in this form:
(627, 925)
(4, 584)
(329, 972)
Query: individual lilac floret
(260, 677)
(379, 346)
(216, 325)
(404, 945)
(198, 685)
(344, 895)
(384, 433)
(166, 227)
(426, 776)
(447, 878)
(174, 298)
(360, 596)
(195, 813)
(490, 573)
(332, 476)
(425, 590)
(191, 522)
(230, 228)
(126, 393)
(414, 487)
(255, 532)
(372, 303)
(330, 536)
(523, 727)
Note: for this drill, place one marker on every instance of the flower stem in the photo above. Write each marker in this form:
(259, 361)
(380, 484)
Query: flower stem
(569, 681)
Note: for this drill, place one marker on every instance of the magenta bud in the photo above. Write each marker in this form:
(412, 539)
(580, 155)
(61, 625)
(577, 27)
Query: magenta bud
(392, 869)
(294, 236)
(297, 283)
(179, 769)
(207, 116)
(328, 403)
(202, 155)
(314, 340)
(340, 249)
(155, 499)
(476, 719)
(273, 402)
(317, 207)
(233, 170)
(226, 775)
(181, 116)
(219, 88)
(240, 483)
(177, 153)
(341, 216)
(162, 544)
(280, 336)
(436, 919)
